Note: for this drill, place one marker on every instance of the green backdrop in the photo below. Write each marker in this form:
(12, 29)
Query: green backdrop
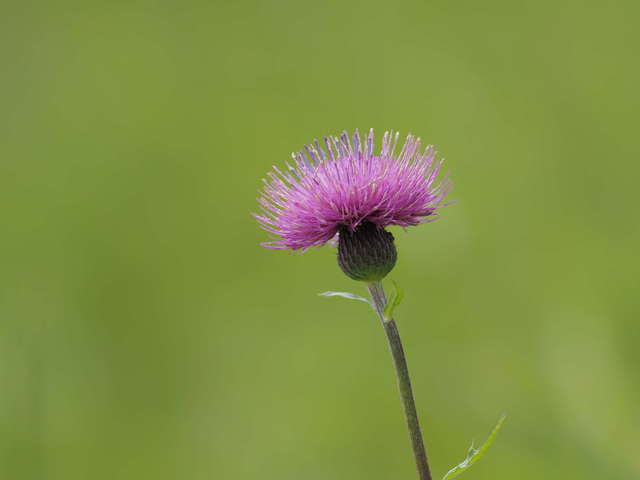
(144, 334)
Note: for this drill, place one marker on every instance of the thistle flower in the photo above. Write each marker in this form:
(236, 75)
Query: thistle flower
(351, 193)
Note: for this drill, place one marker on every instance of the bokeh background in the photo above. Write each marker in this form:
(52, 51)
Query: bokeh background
(146, 335)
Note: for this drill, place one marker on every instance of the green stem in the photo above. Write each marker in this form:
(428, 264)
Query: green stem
(404, 382)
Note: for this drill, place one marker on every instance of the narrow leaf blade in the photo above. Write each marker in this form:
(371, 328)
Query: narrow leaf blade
(350, 296)
(474, 454)
(394, 300)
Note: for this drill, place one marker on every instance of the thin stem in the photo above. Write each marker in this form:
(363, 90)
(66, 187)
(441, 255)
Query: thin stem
(404, 382)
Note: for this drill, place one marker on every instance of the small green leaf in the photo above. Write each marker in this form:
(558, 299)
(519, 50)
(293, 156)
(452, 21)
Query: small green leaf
(350, 296)
(474, 454)
(394, 300)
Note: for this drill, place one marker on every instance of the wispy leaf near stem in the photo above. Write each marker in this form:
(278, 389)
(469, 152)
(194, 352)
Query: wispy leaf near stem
(350, 296)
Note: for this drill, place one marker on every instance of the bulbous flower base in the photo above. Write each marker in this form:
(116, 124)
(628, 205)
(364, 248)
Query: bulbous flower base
(367, 254)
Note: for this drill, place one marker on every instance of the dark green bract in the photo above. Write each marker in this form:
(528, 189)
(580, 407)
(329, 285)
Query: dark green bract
(367, 254)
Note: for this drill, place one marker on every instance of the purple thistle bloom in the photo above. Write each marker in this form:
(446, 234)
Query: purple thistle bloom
(322, 193)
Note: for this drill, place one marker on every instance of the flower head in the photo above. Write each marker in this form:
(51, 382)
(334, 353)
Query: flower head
(322, 194)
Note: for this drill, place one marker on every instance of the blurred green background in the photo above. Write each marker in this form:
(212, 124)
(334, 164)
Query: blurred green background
(146, 335)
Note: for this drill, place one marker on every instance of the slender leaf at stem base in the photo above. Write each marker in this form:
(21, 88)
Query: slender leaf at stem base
(474, 454)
